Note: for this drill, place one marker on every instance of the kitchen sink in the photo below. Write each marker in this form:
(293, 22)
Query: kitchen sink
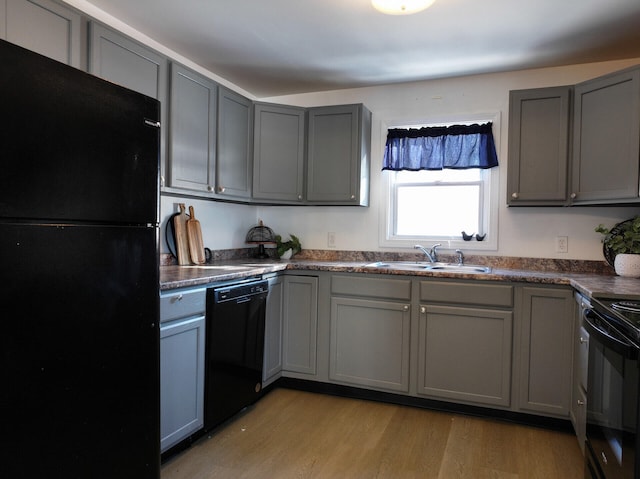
(417, 266)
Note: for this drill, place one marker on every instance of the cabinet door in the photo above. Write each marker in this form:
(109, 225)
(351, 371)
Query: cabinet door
(339, 139)
(606, 139)
(546, 349)
(234, 165)
(278, 157)
(181, 379)
(44, 27)
(369, 343)
(272, 367)
(538, 146)
(192, 139)
(300, 308)
(465, 354)
(121, 60)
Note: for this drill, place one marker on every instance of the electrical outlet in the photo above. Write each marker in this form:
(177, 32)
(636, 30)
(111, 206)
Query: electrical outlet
(331, 240)
(562, 244)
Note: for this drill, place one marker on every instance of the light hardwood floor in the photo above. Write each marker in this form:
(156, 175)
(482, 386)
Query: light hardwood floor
(295, 434)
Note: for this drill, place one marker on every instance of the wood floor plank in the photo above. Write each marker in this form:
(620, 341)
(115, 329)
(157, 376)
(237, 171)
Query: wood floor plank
(296, 434)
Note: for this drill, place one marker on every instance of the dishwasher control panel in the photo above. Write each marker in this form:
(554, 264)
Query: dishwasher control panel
(240, 290)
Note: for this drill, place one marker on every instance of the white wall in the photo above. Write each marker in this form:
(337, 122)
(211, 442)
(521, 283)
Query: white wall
(526, 232)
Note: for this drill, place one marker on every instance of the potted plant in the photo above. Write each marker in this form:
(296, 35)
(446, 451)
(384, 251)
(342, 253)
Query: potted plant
(622, 246)
(286, 249)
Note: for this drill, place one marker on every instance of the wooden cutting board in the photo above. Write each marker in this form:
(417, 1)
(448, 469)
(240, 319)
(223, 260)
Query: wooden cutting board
(194, 233)
(182, 241)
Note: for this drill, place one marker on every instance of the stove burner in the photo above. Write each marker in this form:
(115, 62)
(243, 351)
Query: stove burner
(629, 306)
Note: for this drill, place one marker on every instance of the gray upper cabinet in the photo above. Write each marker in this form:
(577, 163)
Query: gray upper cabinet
(606, 139)
(192, 131)
(338, 156)
(235, 135)
(45, 27)
(539, 140)
(278, 155)
(119, 59)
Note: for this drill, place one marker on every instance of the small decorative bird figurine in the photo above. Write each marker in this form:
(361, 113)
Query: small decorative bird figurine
(480, 237)
(467, 237)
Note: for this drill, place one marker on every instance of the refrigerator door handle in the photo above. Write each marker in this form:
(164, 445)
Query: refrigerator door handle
(152, 123)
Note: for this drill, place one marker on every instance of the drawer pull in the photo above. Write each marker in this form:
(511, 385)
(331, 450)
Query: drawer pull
(177, 298)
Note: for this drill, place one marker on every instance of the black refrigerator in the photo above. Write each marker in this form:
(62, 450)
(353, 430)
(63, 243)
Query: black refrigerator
(79, 334)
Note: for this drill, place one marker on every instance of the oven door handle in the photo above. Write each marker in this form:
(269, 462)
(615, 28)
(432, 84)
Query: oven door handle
(625, 348)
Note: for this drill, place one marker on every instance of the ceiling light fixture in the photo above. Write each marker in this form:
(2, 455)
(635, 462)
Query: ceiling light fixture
(401, 7)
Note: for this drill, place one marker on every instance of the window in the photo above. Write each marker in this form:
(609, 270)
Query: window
(437, 206)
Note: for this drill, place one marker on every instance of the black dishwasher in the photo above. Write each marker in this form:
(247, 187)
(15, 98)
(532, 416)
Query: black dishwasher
(234, 348)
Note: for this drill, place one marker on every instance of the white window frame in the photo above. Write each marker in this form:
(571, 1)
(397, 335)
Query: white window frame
(491, 184)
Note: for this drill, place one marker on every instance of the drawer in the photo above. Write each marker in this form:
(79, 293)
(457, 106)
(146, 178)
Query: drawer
(179, 303)
(373, 287)
(467, 293)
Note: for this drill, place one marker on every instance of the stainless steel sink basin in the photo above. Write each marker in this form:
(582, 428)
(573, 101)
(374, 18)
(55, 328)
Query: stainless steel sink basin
(416, 266)
(459, 268)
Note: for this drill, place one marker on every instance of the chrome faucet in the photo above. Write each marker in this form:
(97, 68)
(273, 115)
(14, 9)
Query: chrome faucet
(460, 257)
(432, 253)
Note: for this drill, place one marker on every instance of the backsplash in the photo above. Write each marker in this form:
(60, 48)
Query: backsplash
(498, 262)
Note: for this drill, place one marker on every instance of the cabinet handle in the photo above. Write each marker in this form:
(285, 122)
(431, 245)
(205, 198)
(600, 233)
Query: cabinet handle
(210, 189)
(405, 308)
(423, 309)
(353, 197)
(583, 341)
(574, 196)
(177, 298)
(221, 189)
(515, 196)
(299, 197)
(162, 180)
(580, 402)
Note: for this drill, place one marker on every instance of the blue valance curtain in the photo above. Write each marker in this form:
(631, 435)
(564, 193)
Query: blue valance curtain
(435, 148)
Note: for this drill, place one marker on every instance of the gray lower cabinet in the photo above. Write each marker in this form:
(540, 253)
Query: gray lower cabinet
(606, 139)
(545, 350)
(539, 141)
(300, 325)
(338, 155)
(578, 410)
(464, 354)
(45, 27)
(370, 342)
(235, 134)
(278, 153)
(192, 137)
(182, 363)
(465, 341)
(370, 332)
(121, 60)
(272, 365)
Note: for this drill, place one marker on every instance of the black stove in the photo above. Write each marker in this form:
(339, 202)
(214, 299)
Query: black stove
(624, 314)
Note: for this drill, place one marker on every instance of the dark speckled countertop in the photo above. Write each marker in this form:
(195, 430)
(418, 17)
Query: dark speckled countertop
(593, 284)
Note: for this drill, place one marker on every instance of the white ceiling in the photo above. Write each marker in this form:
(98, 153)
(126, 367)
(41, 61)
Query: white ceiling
(277, 47)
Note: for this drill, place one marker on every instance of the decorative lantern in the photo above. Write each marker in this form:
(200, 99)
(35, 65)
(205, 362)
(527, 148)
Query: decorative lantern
(261, 235)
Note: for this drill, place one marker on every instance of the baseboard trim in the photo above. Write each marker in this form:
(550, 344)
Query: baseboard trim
(425, 403)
